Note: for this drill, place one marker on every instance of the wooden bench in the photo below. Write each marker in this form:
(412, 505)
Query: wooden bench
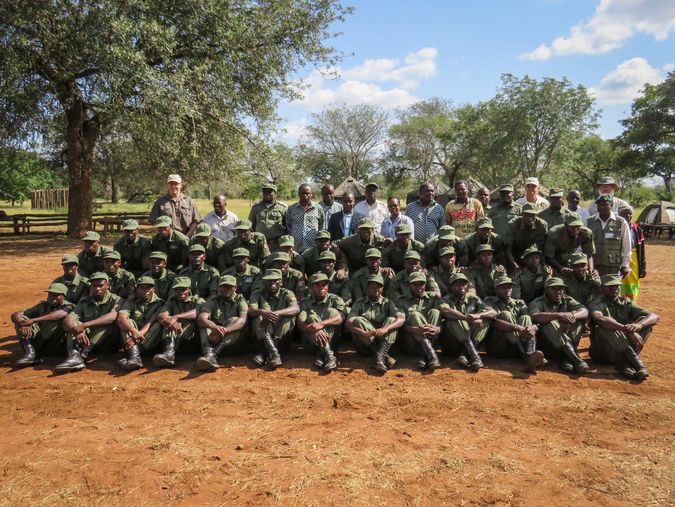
(114, 223)
(658, 230)
(23, 222)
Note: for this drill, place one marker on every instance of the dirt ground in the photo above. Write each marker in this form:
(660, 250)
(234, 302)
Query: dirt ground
(295, 436)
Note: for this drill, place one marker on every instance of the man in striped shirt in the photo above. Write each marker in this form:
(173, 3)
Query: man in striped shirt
(426, 213)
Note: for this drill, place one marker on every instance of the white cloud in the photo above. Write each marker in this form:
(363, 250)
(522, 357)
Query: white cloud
(623, 84)
(367, 82)
(612, 23)
(293, 131)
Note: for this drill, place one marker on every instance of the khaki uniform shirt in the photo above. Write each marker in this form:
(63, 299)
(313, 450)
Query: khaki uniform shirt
(400, 286)
(175, 247)
(585, 290)
(311, 306)
(624, 311)
(560, 246)
(256, 246)
(142, 312)
(183, 212)
(245, 280)
(134, 255)
(375, 312)
(517, 307)
(520, 238)
(501, 216)
(543, 305)
(204, 280)
(121, 280)
(392, 256)
(269, 220)
(358, 283)
(90, 264)
(163, 283)
(264, 301)
(483, 280)
(220, 309)
(442, 279)
(354, 250)
(528, 285)
(78, 287)
(89, 309)
(469, 304)
(175, 306)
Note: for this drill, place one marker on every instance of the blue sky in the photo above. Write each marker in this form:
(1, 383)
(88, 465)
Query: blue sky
(398, 52)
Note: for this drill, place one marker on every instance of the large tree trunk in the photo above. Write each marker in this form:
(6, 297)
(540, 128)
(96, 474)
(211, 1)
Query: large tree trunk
(81, 136)
(114, 191)
(666, 182)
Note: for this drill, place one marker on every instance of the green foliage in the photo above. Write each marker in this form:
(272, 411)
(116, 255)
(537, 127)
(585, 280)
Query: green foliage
(184, 83)
(21, 172)
(343, 141)
(648, 141)
(639, 196)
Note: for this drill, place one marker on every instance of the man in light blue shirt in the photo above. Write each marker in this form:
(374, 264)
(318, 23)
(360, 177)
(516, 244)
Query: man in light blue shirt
(388, 228)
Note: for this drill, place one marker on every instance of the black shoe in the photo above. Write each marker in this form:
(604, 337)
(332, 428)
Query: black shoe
(30, 357)
(641, 371)
(381, 355)
(318, 358)
(273, 357)
(463, 361)
(430, 354)
(474, 357)
(209, 361)
(134, 361)
(259, 360)
(168, 357)
(579, 365)
(74, 362)
(330, 361)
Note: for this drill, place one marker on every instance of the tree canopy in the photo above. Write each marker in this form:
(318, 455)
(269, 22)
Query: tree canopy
(185, 82)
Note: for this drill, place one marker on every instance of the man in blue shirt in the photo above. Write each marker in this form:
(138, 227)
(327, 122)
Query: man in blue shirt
(427, 215)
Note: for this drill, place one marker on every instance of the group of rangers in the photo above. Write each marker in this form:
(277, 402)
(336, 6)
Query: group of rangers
(514, 280)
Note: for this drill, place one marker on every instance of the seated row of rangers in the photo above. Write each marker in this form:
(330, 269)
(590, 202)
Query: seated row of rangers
(410, 311)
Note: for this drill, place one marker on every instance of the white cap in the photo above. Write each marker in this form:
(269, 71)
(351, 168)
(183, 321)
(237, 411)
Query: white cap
(174, 177)
(532, 181)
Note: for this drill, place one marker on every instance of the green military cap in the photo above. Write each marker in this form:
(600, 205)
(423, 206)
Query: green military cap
(58, 288)
(610, 280)
(376, 279)
(272, 274)
(556, 192)
(403, 229)
(365, 223)
(412, 254)
(181, 282)
(91, 236)
(373, 252)
(286, 240)
(318, 277)
(529, 251)
(129, 225)
(203, 230)
(243, 225)
(484, 223)
(163, 221)
(197, 248)
(327, 256)
(506, 188)
(573, 219)
(227, 280)
(99, 275)
(145, 280)
(457, 277)
(578, 258)
(372, 184)
(113, 254)
(268, 186)
(280, 256)
(240, 252)
(502, 280)
(70, 259)
(484, 248)
(446, 250)
(157, 255)
(322, 235)
(606, 180)
(417, 277)
(555, 282)
(605, 198)
(446, 232)
(530, 209)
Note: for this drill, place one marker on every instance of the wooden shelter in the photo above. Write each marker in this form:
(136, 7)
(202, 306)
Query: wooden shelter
(350, 185)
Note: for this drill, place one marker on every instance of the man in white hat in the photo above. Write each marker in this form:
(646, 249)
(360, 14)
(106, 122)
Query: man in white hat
(532, 195)
(179, 207)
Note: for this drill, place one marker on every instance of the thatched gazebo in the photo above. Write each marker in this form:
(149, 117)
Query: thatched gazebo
(350, 185)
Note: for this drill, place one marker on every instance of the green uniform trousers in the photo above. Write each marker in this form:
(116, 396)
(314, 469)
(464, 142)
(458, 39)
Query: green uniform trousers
(234, 342)
(607, 346)
(504, 344)
(334, 332)
(49, 338)
(456, 333)
(150, 340)
(553, 336)
(184, 337)
(103, 339)
(410, 343)
(364, 345)
(283, 330)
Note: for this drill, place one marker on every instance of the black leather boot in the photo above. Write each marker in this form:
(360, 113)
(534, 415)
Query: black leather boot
(475, 362)
(641, 371)
(74, 362)
(273, 357)
(330, 361)
(30, 357)
(535, 358)
(430, 354)
(168, 357)
(209, 361)
(580, 366)
(381, 356)
(134, 361)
